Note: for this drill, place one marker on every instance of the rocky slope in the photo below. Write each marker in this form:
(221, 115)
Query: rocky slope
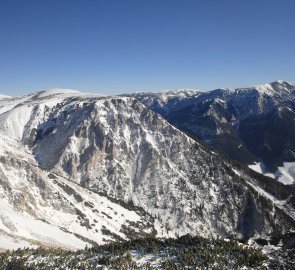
(251, 125)
(42, 208)
(117, 147)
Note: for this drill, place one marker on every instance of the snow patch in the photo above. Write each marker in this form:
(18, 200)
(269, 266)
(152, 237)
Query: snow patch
(236, 172)
(258, 167)
(285, 174)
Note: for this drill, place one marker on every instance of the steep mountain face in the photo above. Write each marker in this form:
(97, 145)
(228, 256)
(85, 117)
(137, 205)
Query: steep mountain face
(41, 208)
(250, 125)
(117, 147)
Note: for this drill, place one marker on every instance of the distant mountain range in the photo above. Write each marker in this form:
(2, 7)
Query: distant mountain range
(255, 125)
(81, 169)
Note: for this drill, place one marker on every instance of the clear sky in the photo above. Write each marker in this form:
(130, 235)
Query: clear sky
(112, 47)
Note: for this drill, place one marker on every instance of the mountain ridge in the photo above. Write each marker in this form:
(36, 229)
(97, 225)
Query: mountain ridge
(118, 147)
(225, 118)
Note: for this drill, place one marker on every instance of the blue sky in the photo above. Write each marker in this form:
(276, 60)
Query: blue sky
(113, 47)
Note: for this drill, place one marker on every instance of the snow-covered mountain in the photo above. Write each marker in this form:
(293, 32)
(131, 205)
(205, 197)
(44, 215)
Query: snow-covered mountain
(67, 154)
(167, 101)
(42, 208)
(251, 125)
(39, 207)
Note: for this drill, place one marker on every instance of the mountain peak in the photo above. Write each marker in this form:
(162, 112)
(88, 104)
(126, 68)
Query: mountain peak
(282, 84)
(57, 91)
(276, 87)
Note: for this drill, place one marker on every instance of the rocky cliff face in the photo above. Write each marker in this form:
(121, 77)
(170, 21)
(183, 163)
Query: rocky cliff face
(118, 147)
(42, 208)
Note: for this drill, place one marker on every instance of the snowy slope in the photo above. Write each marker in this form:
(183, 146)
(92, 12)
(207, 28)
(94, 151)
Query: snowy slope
(116, 146)
(17, 112)
(38, 207)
